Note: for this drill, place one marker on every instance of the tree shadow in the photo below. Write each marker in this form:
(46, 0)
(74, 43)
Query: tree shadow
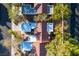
(1, 36)
(4, 18)
(73, 21)
(4, 22)
(4, 51)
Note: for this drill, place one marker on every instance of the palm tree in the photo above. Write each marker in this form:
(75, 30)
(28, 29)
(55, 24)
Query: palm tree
(13, 10)
(14, 13)
(41, 17)
(18, 19)
(62, 24)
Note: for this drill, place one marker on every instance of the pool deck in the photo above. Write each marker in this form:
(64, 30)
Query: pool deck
(42, 38)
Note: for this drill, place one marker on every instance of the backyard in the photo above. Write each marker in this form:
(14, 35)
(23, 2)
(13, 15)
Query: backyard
(39, 29)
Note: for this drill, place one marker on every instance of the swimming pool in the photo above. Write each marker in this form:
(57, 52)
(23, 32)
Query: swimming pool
(27, 27)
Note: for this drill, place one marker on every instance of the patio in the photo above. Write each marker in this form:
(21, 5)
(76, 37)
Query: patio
(32, 35)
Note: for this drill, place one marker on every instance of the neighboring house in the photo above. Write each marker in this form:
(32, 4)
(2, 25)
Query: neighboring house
(42, 29)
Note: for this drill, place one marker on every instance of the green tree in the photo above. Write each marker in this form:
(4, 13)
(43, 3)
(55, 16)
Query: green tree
(69, 47)
(60, 9)
(16, 35)
(19, 19)
(41, 17)
(13, 11)
(61, 12)
(55, 47)
(61, 45)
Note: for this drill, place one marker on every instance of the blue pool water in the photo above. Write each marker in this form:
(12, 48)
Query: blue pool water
(49, 27)
(26, 46)
(26, 27)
